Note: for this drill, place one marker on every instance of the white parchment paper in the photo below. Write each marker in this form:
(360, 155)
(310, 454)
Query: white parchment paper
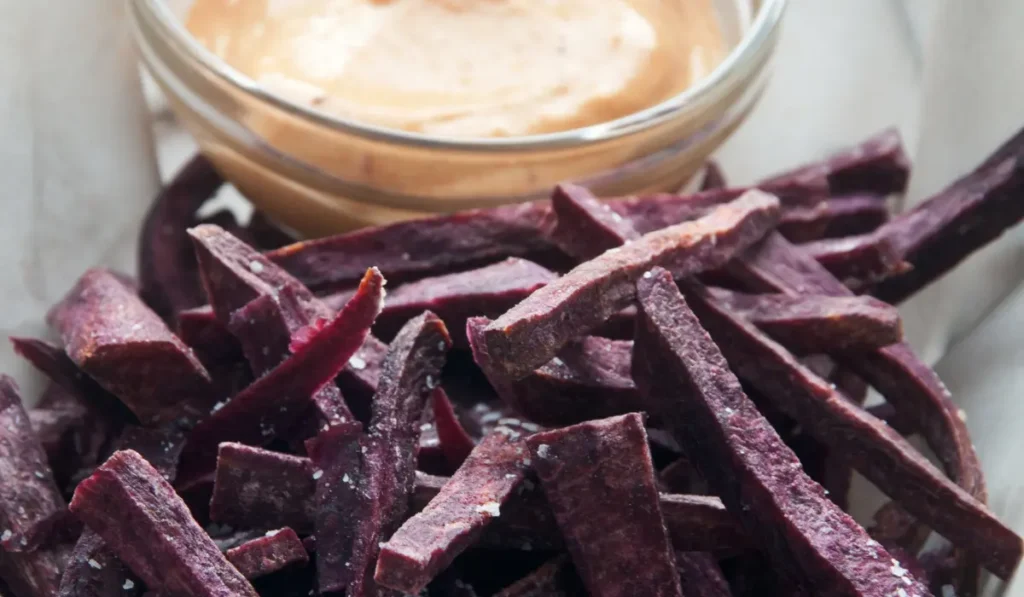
(78, 167)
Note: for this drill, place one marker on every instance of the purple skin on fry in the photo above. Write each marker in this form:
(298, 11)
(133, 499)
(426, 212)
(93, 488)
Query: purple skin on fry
(604, 231)
(599, 480)
(265, 555)
(115, 338)
(31, 506)
(942, 231)
(136, 512)
(685, 376)
(532, 332)
(278, 398)
(429, 541)
(410, 250)
(256, 488)
(455, 443)
(810, 324)
(55, 364)
(488, 291)
(338, 477)
(876, 165)
(859, 261)
(168, 274)
(894, 527)
(358, 513)
(714, 177)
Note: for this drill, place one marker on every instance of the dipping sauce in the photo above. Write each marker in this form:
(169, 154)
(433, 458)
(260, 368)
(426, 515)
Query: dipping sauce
(467, 68)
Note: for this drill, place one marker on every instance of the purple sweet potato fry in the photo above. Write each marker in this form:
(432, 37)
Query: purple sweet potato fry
(685, 376)
(589, 379)
(275, 400)
(93, 569)
(694, 522)
(136, 512)
(859, 261)
(532, 332)
(256, 488)
(365, 482)
(700, 575)
(340, 513)
(603, 230)
(265, 234)
(870, 446)
(71, 434)
(836, 217)
(207, 337)
(555, 578)
(888, 414)
(599, 480)
(168, 274)
(647, 213)
(410, 250)
(267, 327)
(876, 165)
(115, 338)
(942, 231)
(268, 554)
(714, 177)
(455, 443)
(488, 291)
(33, 573)
(429, 541)
(55, 364)
(31, 506)
(811, 324)
(894, 527)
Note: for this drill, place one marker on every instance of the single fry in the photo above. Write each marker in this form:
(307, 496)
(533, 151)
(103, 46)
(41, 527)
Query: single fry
(136, 512)
(532, 332)
(115, 338)
(599, 480)
(429, 541)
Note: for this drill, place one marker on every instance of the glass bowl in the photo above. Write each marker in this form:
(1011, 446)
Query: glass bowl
(319, 174)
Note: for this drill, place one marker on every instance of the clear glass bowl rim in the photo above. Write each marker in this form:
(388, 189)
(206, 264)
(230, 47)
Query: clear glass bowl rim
(756, 41)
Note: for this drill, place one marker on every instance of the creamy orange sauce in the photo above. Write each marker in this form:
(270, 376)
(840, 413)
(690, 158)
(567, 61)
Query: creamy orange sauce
(467, 68)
